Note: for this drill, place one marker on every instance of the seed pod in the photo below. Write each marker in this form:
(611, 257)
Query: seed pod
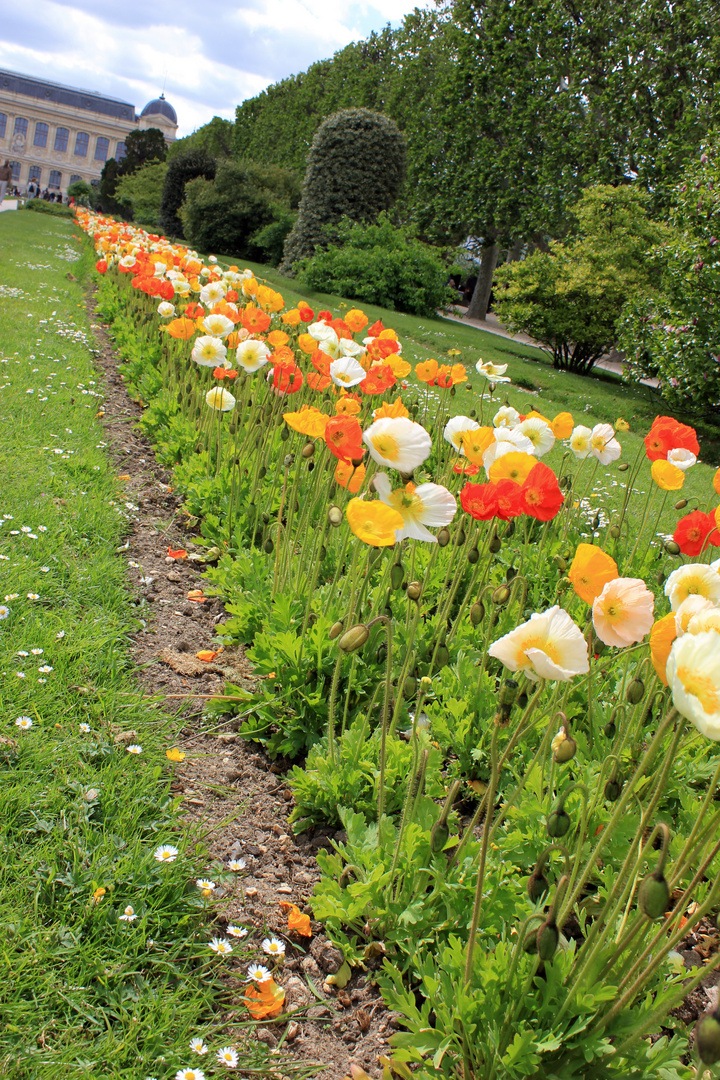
(614, 531)
(635, 691)
(410, 687)
(473, 556)
(285, 433)
(654, 895)
(477, 614)
(509, 530)
(530, 943)
(268, 546)
(335, 630)
(443, 538)
(548, 938)
(660, 577)
(308, 450)
(323, 553)
(335, 516)
(265, 517)
(439, 836)
(707, 1039)
(442, 656)
(623, 467)
(501, 595)
(609, 730)
(354, 638)
(558, 823)
(495, 544)
(522, 700)
(397, 575)
(613, 789)
(672, 547)
(681, 504)
(537, 885)
(460, 538)
(596, 522)
(414, 590)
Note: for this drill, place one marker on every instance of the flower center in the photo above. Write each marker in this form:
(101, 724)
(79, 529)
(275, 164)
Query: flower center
(702, 687)
(386, 446)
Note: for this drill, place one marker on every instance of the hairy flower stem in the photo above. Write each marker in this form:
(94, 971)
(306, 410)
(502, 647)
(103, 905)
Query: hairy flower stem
(494, 773)
(278, 534)
(384, 719)
(643, 520)
(414, 788)
(331, 708)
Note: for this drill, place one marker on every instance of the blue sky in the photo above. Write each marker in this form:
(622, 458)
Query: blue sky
(208, 57)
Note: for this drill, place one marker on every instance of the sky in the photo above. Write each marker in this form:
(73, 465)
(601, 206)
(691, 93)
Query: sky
(208, 59)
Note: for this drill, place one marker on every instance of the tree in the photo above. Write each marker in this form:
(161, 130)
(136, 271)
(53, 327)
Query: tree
(570, 299)
(356, 167)
(181, 169)
(142, 147)
(81, 191)
(215, 137)
(142, 191)
(674, 333)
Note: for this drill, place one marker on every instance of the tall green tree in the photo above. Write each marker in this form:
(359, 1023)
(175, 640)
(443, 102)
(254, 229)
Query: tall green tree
(215, 137)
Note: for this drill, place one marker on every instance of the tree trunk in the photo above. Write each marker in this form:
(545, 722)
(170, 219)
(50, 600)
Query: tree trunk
(477, 308)
(515, 251)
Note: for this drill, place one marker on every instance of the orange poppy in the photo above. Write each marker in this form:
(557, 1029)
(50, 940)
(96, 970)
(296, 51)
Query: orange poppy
(208, 655)
(101, 266)
(264, 1000)
(297, 920)
(177, 553)
(694, 531)
(668, 434)
(292, 317)
(277, 338)
(590, 571)
(349, 477)
(356, 320)
(318, 382)
(306, 312)
(479, 500)
(662, 636)
(287, 377)
(427, 371)
(343, 436)
(307, 343)
(378, 379)
(541, 492)
(181, 328)
(321, 362)
(254, 320)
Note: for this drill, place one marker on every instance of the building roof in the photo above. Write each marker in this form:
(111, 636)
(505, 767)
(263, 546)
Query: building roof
(25, 85)
(162, 107)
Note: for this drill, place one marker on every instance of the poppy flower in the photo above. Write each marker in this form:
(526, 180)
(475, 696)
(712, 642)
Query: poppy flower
(374, 523)
(590, 571)
(493, 372)
(668, 434)
(251, 355)
(101, 266)
(307, 343)
(349, 477)
(254, 320)
(465, 468)
(318, 382)
(306, 312)
(343, 436)
(475, 443)
(308, 421)
(347, 371)
(427, 371)
(220, 400)
(386, 409)
(321, 362)
(177, 553)
(181, 328)
(292, 317)
(287, 378)
(356, 320)
(376, 329)
(541, 492)
(666, 475)
(208, 351)
(693, 674)
(298, 921)
(277, 338)
(208, 655)
(264, 999)
(398, 443)
(694, 531)
(194, 311)
(399, 367)
(348, 405)
(662, 635)
(428, 504)
(513, 466)
(479, 500)
(378, 379)
(697, 579)
(548, 646)
(562, 425)
(511, 503)
(623, 612)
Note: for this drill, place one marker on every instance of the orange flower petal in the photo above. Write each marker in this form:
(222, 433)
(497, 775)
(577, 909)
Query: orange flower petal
(297, 920)
(208, 654)
(177, 553)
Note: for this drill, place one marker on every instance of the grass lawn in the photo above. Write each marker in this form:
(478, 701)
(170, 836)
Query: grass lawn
(106, 970)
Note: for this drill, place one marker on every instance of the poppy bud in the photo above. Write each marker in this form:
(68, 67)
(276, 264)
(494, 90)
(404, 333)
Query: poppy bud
(654, 895)
(442, 656)
(623, 467)
(347, 877)
(335, 515)
(537, 885)
(509, 530)
(414, 590)
(268, 546)
(477, 614)
(443, 538)
(672, 547)
(681, 504)
(495, 544)
(439, 835)
(460, 538)
(323, 553)
(548, 937)
(381, 653)
(308, 450)
(522, 700)
(613, 789)
(635, 691)
(707, 1039)
(354, 638)
(410, 687)
(285, 433)
(561, 563)
(397, 575)
(262, 472)
(289, 460)
(508, 693)
(660, 577)
(565, 482)
(565, 749)
(609, 730)
(335, 630)
(558, 823)
(473, 556)
(311, 466)
(356, 462)
(510, 573)
(596, 522)
(501, 595)
(614, 531)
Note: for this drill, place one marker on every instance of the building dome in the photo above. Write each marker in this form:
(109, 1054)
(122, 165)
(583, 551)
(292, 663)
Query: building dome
(159, 106)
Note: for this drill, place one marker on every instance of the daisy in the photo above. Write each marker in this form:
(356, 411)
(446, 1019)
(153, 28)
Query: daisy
(11, 596)
(227, 1056)
(166, 853)
(186, 1073)
(45, 669)
(35, 652)
(273, 947)
(236, 864)
(134, 748)
(198, 1046)
(42, 528)
(4, 611)
(24, 723)
(21, 675)
(128, 914)
(44, 569)
(236, 931)
(220, 946)
(23, 652)
(26, 528)
(206, 886)
(83, 729)
(258, 973)
(33, 596)
(60, 634)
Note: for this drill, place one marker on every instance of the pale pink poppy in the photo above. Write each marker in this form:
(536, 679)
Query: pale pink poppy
(623, 612)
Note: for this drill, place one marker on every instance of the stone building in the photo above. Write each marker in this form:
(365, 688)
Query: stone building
(56, 134)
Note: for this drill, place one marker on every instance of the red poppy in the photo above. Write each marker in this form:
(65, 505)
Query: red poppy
(511, 503)
(465, 467)
(287, 378)
(224, 373)
(343, 435)
(254, 320)
(167, 290)
(323, 316)
(479, 500)
(231, 296)
(668, 434)
(378, 379)
(376, 328)
(541, 493)
(306, 312)
(694, 531)
(382, 347)
(101, 266)
(195, 311)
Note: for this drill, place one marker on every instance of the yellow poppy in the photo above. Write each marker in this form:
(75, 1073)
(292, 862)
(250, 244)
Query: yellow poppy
(373, 522)
(395, 409)
(662, 636)
(512, 466)
(590, 571)
(476, 442)
(562, 425)
(666, 475)
(308, 421)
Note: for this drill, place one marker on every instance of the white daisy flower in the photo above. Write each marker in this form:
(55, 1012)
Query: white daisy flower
(220, 946)
(45, 669)
(83, 729)
(60, 634)
(258, 973)
(227, 1056)
(236, 931)
(198, 1046)
(4, 611)
(206, 886)
(166, 853)
(236, 864)
(134, 748)
(128, 914)
(186, 1073)
(35, 652)
(24, 723)
(273, 947)
(33, 596)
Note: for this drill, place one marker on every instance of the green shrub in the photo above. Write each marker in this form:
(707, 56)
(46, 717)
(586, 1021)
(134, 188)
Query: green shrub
(270, 240)
(356, 167)
(184, 167)
(379, 264)
(242, 200)
(142, 190)
(39, 206)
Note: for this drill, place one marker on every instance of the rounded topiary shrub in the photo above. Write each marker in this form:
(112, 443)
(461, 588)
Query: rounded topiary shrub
(355, 170)
(181, 169)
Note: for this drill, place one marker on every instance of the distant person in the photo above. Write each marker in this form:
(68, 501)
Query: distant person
(469, 289)
(5, 178)
(32, 189)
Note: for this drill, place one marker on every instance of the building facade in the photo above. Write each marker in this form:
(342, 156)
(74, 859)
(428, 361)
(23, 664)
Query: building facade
(55, 134)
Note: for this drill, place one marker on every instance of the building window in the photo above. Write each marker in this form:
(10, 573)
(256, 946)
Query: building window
(61, 140)
(74, 178)
(15, 166)
(34, 174)
(121, 151)
(101, 148)
(81, 144)
(55, 178)
(41, 134)
(21, 125)
(3, 124)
